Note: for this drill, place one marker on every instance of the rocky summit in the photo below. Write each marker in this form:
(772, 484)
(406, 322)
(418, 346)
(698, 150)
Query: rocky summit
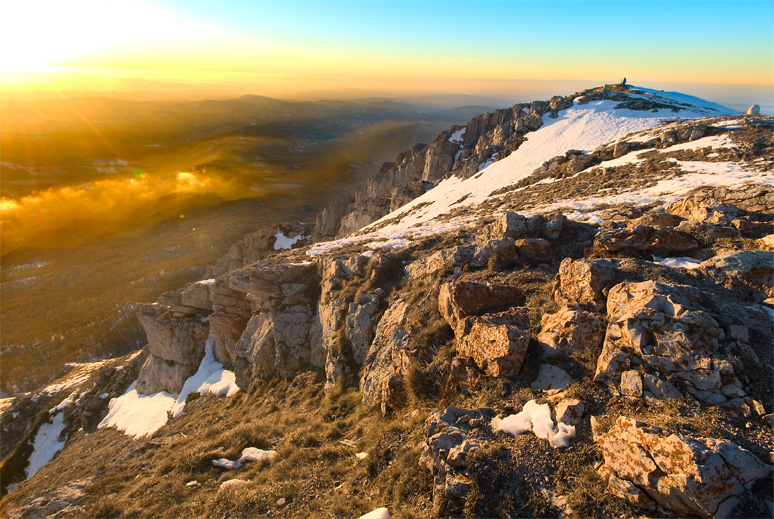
(560, 309)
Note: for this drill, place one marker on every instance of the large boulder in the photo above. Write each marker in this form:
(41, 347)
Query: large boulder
(460, 299)
(496, 342)
(697, 476)
(571, 330)
(584, 282)
(664, 328)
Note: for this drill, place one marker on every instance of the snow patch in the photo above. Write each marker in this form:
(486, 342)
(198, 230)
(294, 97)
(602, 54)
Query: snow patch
(397, 243)
(47, 444)
(681, 262)
(536, 418)
(713, 141)
(206, 282)
(209, 378)
(456, 137)
(248, 454)
(138, 415)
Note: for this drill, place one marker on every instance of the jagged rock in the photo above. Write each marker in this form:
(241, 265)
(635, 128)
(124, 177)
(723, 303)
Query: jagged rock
(583, 282)
(683, 474)
(553, 225)
(59, 501)
(274, 344)
(631, 383)
(570, 330)
(176, 347)
(658, 220)
(719, 204)
(179, 340)
(454, 257)
(459, 299)
(508, 225)
(196, 295)
(387, 355)
(642, 237)
(707, 233)
(258, 245)
(504, 248)
(158, 374)
(551, 377)
(448, 443)
(267, 287)
(569, 411)
(665, 328)
(754, 269)
(359, 330)
(658, 388)
(532, 247)
(496, 342)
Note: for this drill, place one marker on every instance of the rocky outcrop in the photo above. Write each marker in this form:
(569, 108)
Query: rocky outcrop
(570, 330)
(278, 340)
(753, 269)
(459, 299)
(261, 244)
(646, 465)
(642, 238)
(664, 330)
(496, 342)
(451, 436)
(584, 282)
(175, 346)
(387, 356)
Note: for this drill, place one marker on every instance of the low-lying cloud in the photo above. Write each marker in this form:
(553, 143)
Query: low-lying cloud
(67, 215)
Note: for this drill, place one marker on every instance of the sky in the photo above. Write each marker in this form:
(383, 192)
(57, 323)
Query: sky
(396, 45)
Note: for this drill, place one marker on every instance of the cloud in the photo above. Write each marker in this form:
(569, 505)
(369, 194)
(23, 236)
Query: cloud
(70, 214)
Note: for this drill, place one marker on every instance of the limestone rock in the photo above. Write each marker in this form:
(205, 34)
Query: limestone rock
(359, 330)
(386, 355)
(463, 375)
(570, 330)
(179, 340)
(631, 383)
(665, 328)
(274, 344)
(569, 411)
(754, 269)
(508, 225)
(496, 342)
(459, 299)
(583, 282)
(686, 475)
(158, 374)
(449, 441)
(642, 237)
(551, 377)
(532, 247)
(441, 260)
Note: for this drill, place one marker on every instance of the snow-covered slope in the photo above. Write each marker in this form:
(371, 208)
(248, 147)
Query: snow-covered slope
(584, 127)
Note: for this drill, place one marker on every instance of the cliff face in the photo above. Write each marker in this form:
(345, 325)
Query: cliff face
(611, 285)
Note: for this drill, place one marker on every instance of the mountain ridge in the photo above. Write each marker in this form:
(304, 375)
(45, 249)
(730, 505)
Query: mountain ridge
(613, 295)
